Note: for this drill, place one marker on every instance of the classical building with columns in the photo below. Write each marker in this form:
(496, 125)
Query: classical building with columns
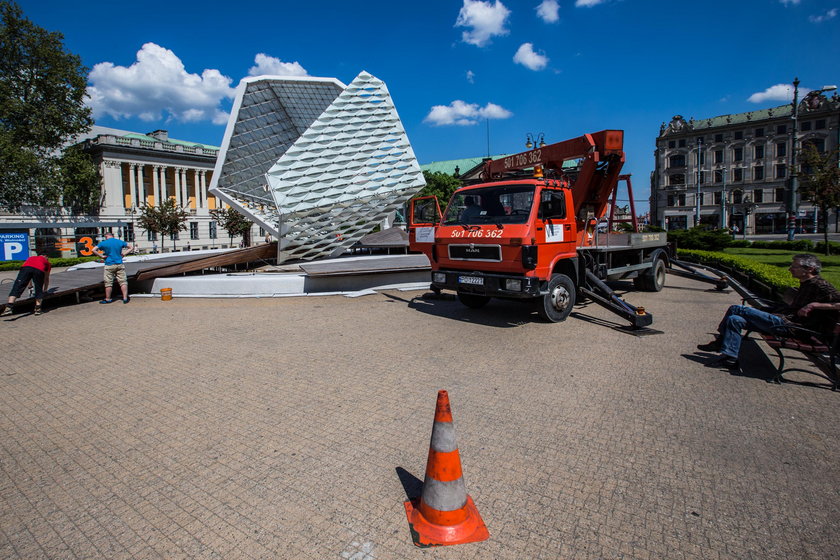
(136, 169)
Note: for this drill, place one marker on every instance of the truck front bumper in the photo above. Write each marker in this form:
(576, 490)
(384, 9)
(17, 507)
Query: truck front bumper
(481, 283)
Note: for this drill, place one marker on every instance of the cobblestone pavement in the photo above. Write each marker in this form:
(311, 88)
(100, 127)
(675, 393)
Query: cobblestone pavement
(294, 428)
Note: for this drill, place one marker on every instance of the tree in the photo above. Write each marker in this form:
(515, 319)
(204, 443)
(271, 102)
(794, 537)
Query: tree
(440, 185)
(820, 182)
(234, 223)
(166, 219)
(42, 93)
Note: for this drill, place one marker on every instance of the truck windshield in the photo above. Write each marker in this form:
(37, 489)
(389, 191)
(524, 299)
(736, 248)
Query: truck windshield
(499, 204)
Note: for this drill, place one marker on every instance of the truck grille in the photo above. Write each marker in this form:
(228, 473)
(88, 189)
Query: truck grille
(473, 252)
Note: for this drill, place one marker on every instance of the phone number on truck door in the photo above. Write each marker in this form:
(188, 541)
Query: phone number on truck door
(493, 233)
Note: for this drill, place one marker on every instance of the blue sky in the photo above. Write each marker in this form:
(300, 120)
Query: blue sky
(557, 67)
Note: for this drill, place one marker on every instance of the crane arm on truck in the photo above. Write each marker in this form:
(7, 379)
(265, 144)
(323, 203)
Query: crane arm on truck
(601, 155)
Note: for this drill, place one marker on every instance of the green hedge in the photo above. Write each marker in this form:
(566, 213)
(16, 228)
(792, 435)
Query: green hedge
(802, 245)
(700, 238)
(773, 276)
(15, 265)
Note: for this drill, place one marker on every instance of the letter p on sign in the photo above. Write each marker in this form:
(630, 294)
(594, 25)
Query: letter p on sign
(11, 249)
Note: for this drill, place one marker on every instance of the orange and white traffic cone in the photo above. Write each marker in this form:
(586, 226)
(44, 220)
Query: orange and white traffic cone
(444, 514)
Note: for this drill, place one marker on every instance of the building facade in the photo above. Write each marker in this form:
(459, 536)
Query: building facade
(135, 169)
(735, 170)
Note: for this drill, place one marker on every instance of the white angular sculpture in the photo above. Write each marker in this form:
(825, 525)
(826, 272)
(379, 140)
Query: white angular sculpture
(316, 163)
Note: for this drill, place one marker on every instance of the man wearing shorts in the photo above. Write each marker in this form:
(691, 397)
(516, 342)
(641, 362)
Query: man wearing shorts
(112, 250)
(35, 269)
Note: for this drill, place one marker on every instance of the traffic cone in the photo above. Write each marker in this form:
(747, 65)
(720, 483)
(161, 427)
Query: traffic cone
(444, 514)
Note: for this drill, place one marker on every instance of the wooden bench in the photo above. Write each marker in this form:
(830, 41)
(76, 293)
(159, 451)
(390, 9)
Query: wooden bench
(822, 350)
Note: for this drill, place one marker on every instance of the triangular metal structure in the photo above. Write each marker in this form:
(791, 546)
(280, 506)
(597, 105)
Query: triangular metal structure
(316, 163)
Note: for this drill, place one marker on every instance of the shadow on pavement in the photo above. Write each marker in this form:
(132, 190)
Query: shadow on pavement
(412, 485)
(497, 313)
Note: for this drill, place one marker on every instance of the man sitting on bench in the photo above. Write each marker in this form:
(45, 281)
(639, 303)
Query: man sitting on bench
(814, 294)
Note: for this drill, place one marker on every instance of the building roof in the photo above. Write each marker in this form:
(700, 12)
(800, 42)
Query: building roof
(448, 166)
(97, 130)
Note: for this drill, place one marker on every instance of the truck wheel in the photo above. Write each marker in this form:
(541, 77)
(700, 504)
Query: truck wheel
(556, 305)
(473, 301)
(652, 279)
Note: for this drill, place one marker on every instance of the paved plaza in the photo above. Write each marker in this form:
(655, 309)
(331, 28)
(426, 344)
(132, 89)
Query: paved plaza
(294, 429)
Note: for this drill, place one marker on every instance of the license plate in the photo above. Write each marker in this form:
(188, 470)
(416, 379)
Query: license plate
(475, 280)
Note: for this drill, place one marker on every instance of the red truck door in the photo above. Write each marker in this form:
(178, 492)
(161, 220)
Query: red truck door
(423, 215)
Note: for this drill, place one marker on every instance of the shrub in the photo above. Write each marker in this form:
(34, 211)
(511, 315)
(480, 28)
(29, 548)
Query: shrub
(800, 245)
(700, 238)
(15, 265)
(776, 278)
(833, 248)
(742, 243)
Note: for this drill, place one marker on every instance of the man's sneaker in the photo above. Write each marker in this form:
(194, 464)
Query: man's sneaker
(126, 300)
(724, 361)
(107, 301)
(713, 346)
(37, 310)
(7, 311)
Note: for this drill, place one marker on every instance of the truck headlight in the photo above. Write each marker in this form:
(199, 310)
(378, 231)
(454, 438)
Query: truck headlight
(513, 285)
(439, 277)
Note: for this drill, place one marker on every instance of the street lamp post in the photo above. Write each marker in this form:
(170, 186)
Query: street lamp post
(697, 195)
(532, 141)
(793, 195)
(748, 207)
(723, 221)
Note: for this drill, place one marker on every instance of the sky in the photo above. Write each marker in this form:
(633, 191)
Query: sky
(466, 76)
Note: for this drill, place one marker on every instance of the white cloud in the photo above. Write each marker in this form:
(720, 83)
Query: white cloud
(779, 92)
(264, 64)
(588, 3)
(526, 56)
(548, 10)
(471, 76)
(830, 14)
(486, 20)
(157, 86)
(464, 114)
(790, 2)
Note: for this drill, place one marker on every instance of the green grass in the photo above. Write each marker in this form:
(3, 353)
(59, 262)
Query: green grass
(781, 260)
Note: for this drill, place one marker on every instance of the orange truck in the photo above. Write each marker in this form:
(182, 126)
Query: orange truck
(529, 231)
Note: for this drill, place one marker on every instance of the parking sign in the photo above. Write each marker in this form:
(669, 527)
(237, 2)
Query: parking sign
(14, 246)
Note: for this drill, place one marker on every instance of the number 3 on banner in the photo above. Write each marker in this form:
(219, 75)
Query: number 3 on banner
(88, 246)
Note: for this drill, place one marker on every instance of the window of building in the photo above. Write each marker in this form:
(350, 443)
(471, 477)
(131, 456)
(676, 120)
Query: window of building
(758, 195)
(780, 194)
(738, 154)
(781, 171)
(682, 143)
(262, 231)
(739, 135)
(781, 149)
(718, 197)
(701, 155)
(737, 197)
(718, 137)
(758, 173)
(175, 236)
(781, 129)
(671, 200)
(718, 156)
(702, 178)
(817, 143)
(759, 132)
(677, 161)
(681, 199)
(151, 236)
(193, 230)
(213, 231)
(129, 233)
(819, 124)
(718, 176)
(806, 126)
(759, 152)
(672, 144)
(738, 174)
(678, 179)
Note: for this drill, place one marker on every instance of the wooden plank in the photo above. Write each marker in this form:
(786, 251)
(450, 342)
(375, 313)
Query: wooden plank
(337, 267)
